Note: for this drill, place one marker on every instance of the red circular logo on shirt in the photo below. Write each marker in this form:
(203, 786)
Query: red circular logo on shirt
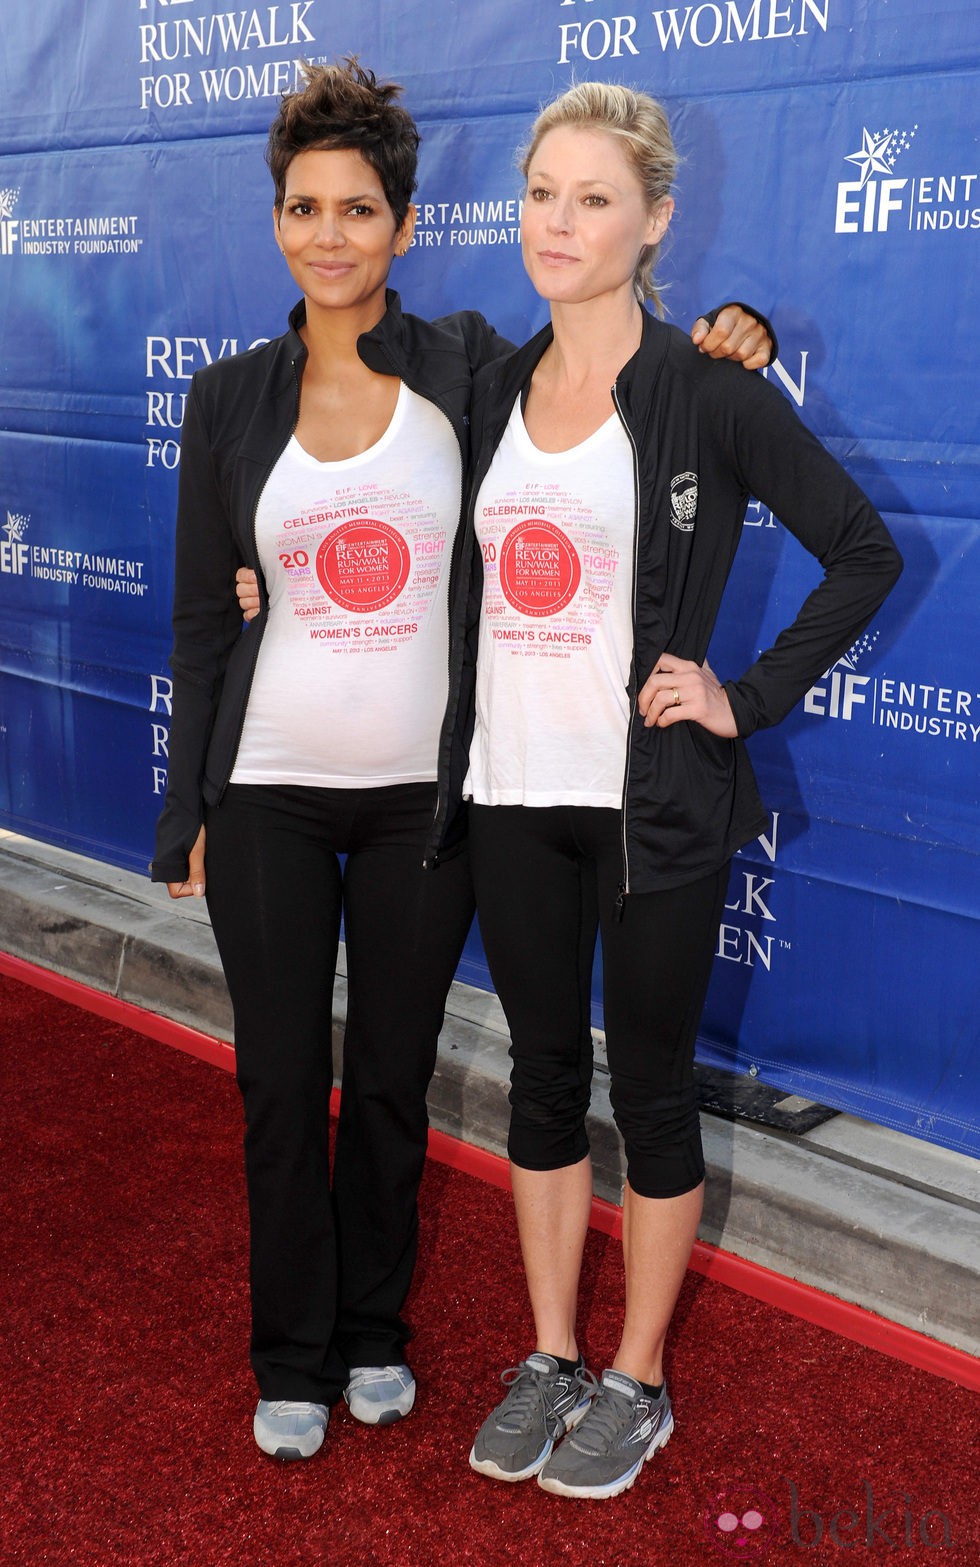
(363, 565)
(539, 568)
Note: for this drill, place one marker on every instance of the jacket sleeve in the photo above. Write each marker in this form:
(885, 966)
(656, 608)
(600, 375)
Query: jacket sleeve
(483, 342)
(207, 623)
(782, 463)
(491, 346)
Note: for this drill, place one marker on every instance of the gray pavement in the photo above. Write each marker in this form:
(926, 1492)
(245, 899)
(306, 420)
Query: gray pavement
(874, 1217)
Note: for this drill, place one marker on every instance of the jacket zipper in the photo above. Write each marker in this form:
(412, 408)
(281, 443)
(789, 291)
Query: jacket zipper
(431, 862)
(440, 810)
(624, 887)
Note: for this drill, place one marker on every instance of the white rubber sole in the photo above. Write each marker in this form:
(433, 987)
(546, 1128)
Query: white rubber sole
(599, 1493)
(486, 1466)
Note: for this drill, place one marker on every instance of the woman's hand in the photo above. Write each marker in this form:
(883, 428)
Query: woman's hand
(247, 588)
(735, 335)
(193, 887)
(680, 691)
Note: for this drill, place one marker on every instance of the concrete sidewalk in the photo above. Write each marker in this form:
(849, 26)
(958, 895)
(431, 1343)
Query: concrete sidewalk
(869, 1215)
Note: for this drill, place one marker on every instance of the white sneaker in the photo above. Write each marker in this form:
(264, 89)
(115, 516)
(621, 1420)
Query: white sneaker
(378, 1395)
(287, 1429)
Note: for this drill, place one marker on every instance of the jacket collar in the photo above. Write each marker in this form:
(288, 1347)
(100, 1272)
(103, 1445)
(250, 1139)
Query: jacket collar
(509, 375)
(380, 347)
(643, 370)
(297, 318)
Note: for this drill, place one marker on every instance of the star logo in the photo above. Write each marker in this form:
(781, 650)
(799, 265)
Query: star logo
(858, 650)
(15, 527)
(880, 151)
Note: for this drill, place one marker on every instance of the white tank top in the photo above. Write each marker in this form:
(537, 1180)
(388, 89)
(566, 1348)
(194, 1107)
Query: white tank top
(556, 533)
(352, 676)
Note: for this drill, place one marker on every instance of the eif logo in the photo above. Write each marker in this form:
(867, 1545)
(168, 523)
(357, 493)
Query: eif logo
(866, 205)
(13, 550)
(842, 690)
(9, 226)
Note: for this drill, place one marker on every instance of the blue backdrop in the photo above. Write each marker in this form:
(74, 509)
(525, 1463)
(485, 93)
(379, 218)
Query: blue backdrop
(831, 176)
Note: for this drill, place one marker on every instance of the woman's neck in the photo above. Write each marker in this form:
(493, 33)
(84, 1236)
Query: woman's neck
(594, 340)
(569, 396)
(331, 335)
(344, 407)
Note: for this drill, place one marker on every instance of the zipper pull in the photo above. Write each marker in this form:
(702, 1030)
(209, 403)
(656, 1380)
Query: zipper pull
(621, 900)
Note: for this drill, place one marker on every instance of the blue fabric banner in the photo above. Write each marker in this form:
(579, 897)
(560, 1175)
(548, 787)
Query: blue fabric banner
(825, 179)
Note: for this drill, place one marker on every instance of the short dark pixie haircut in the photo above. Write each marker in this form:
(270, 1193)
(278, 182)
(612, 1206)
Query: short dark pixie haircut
(344, 106)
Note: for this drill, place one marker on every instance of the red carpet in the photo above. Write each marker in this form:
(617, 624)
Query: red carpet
(126, 1396)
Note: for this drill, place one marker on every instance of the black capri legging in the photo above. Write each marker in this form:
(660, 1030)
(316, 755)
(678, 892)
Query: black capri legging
(547, 881)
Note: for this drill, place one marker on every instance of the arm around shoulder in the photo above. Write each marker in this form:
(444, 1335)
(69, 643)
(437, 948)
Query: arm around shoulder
(738, 332)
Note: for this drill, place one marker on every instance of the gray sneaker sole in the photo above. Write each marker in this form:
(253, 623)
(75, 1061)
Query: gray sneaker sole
(387, 1417)
(369, 1414)
(287, 1448)
(284, 1454)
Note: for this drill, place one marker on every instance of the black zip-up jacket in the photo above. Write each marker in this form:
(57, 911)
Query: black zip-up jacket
(239, 417)
(705, 437)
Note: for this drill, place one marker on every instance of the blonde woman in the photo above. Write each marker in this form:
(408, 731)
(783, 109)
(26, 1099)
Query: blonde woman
(605, 764)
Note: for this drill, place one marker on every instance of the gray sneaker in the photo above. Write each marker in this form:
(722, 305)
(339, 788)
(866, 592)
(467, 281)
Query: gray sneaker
(624, 1428)
(378, 1395)
(285, 1428)
(543, 1403)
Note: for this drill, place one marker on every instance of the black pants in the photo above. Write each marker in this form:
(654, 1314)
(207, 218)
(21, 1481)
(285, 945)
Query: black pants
(329, 1277)
(546, 881)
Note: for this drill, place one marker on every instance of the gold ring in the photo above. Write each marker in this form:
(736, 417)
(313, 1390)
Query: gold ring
(677, 697)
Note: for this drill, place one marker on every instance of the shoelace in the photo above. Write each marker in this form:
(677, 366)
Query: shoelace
(284, 1407)
(525, 1401)
(609, 1416)
(365, 1376)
